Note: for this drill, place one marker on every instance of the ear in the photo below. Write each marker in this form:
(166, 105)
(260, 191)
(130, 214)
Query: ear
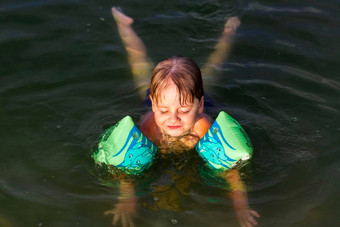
(201, 105)
(152, 104)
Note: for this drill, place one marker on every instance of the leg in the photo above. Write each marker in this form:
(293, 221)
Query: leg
(222, 48)
(141, 66)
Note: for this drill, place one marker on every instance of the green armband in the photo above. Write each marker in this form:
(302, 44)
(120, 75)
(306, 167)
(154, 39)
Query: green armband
(125, 147)
(225, 143)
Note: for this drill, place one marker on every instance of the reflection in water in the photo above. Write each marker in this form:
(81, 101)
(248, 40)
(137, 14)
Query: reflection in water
(177, 175)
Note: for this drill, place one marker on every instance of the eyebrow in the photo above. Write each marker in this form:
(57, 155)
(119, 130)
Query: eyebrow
(187, 106)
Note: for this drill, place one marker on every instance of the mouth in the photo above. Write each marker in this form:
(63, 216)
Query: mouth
(173, 127)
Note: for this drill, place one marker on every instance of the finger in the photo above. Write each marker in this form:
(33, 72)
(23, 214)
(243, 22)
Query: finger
(131, 224)
(252, 220)
(254, 213)
(241, 221)
(248, 224)
(109, 212)
(115, 219)
(124, 221)
(244, 223)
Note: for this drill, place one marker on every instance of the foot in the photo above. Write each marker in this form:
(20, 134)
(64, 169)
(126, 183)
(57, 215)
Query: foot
(120, 17)
(232, 24)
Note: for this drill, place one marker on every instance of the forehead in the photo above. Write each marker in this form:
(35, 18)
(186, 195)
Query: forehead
(170, 96)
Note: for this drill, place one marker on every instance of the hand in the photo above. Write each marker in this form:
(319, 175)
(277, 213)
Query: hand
(125, 209)
(246, 217)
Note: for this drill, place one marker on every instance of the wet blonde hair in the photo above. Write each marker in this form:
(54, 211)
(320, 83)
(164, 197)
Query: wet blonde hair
(181, 71)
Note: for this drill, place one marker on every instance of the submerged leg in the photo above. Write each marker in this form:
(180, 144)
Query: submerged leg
(222, 48)
(141, 66)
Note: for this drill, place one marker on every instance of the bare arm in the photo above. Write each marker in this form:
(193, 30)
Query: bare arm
(126, 207)
(238, 194)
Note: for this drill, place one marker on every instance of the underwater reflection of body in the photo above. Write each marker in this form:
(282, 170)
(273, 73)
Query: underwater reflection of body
(175, 125)
(177, 173)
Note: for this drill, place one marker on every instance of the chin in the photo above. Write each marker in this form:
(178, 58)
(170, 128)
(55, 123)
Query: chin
(175, 133)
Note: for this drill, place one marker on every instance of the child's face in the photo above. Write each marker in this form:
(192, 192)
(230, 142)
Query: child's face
(171, 117)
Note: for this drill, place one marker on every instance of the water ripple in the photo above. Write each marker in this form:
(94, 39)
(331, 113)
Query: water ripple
(256, 6)
(300, 73)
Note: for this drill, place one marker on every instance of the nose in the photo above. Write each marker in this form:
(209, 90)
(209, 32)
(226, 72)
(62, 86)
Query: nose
(174, 117)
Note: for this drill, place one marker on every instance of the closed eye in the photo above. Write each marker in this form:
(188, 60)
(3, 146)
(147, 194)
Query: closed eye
(184, 111)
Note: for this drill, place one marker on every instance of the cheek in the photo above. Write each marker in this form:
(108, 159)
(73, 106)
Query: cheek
(190, 119)
(159, 119)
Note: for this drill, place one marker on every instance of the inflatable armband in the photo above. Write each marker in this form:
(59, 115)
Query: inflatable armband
(124, 146)
(225, 143)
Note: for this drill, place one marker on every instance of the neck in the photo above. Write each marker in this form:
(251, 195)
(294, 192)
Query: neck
(165, 136)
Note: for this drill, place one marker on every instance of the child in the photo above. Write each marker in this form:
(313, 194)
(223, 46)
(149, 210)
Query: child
(176, 94)
(176, 122)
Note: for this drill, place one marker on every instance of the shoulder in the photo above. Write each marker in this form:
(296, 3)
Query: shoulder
(147, 125)
(146, 118)
(202, 125)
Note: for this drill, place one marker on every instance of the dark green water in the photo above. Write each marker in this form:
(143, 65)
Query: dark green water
(64, 78)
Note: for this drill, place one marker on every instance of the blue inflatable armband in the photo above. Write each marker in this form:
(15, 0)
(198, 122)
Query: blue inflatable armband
(225, 143)
(124, 146)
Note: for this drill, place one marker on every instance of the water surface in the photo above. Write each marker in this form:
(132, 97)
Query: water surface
(64, 78)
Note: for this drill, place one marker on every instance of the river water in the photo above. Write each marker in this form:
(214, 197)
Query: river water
(64, 79)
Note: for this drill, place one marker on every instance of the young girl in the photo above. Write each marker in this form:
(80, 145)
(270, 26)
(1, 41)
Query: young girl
(176, 122)
(176, 94)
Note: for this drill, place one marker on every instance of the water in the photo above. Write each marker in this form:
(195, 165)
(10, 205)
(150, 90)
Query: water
(65, 78)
